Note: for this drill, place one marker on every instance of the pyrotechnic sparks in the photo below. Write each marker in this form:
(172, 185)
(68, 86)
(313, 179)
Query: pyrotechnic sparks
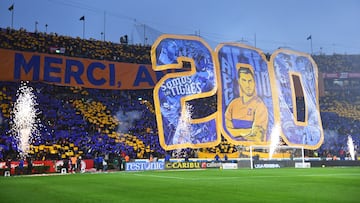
(351, 147)
(184, 130)
(24, 124)
(274, 140)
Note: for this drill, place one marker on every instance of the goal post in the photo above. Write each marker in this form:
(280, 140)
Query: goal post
(271, 156)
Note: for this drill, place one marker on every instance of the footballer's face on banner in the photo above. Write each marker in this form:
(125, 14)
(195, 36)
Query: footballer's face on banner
(247, 84)
(172, 51)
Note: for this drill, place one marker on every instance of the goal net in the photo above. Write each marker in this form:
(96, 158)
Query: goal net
(276, 157)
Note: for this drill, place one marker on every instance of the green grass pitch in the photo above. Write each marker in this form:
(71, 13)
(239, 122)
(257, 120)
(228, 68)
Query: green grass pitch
(211, 185)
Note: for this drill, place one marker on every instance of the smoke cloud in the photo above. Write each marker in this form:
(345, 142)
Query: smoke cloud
(127, 119)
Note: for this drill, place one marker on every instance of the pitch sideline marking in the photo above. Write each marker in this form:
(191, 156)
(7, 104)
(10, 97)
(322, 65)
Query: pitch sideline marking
(242, 177)
(158, 176)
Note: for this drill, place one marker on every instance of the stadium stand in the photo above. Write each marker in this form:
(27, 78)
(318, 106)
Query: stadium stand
(91, 122)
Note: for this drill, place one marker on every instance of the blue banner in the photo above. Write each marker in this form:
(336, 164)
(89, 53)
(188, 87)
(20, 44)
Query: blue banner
(259, 101)
(177, 128)
(244, 98)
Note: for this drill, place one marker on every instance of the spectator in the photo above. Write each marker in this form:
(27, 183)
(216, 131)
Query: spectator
(66, 164)
(78, 164)
(217, 158)
(21, 166)
(225, 158)
(127, 158)
(29, 165)
(8, 164)
(104, 165)
(73, 163)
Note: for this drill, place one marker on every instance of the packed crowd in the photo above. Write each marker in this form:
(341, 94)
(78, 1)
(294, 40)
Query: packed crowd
(91, 122)
(337, 63)
(75, 47)
(86, 122)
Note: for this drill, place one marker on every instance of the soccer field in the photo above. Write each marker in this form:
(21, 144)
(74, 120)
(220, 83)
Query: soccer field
(211, 185)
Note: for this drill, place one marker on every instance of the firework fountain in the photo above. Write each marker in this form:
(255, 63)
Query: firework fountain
(274, 140)
(183, 130)
(351, 148)
(24, 124)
